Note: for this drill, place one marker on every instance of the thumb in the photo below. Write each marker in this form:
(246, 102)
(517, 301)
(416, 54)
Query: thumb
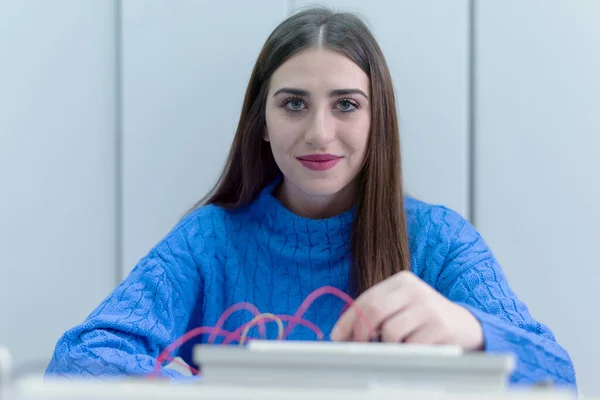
(343, 328)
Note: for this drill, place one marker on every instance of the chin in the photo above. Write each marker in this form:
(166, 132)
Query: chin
(321, 187)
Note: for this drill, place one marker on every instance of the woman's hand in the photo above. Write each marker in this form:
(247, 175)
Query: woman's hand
(403, 308)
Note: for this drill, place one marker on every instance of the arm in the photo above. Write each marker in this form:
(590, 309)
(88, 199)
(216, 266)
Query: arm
(472, 278)
(148, 311)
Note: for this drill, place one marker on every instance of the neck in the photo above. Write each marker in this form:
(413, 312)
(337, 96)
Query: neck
(315, 207)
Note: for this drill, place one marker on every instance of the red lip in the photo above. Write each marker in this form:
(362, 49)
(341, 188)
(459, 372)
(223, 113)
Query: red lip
(319, 162)
(318, 157)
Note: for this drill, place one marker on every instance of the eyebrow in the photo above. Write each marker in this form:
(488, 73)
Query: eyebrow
(306, 93)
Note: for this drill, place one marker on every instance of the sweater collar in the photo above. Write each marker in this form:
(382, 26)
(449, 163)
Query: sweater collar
(280, 220)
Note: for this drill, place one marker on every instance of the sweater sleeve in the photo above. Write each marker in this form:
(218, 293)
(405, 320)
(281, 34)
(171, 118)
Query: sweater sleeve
(472, 278)
(150, 309)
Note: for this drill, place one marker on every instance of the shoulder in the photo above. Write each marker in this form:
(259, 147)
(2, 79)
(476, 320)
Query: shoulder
(424, 218)
(205, 219)
(198, 232)
(439, 235)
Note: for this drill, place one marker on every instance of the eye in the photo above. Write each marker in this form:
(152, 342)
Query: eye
(347, 105)
(293, 104)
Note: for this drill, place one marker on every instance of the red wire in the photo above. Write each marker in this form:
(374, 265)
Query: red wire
(299, 320)
(346, 306)
(202, 330)
(320, 292)
(304, 322)
(256, 320)
(229, 336)
(181, 363)
(237, 333)
(237, 307)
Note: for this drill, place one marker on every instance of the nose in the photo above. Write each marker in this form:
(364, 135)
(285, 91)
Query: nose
(321, 129)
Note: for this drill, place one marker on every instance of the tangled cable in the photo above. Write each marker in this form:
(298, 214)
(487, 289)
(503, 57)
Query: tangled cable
(241, 333)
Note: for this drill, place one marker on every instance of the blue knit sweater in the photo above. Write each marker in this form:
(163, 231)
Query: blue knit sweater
(268, 256)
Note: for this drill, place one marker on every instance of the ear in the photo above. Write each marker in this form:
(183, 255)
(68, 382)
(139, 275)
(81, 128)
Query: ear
(266, 135)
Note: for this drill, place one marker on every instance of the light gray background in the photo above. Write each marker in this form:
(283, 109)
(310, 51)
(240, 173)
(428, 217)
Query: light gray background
(537, 158)
(57, 168)
(115, 117)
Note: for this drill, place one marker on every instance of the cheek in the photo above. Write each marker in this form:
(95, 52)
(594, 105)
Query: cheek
(282, 132)
(358, 137)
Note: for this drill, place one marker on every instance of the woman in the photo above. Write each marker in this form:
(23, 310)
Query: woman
(311, 196)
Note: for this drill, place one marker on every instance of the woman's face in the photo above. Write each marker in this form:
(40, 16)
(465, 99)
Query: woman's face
(317, 122)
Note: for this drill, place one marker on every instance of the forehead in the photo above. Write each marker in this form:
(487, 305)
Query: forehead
(319, 69)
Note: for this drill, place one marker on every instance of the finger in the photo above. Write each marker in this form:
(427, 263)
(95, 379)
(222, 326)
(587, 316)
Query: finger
(379, 311)
(342, 330)
(355, 318)
(375, 305)
(425, 334)
(344, 327)
(403, 324)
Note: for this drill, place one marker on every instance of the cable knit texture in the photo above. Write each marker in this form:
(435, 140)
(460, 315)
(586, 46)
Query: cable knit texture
(268, 256)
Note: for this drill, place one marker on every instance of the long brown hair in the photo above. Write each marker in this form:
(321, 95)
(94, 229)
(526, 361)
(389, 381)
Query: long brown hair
(379, 239)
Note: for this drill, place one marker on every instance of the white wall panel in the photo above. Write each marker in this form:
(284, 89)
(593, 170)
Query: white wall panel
(538, 161)
(57, 158)
(186, 65)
